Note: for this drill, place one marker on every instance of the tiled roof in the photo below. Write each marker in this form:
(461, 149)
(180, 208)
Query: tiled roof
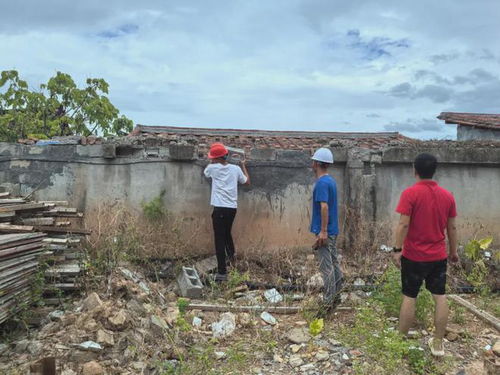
(289, 140)
(479, 120)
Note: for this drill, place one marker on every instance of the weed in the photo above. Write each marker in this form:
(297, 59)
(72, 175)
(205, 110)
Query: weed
(236, 278)
(475, 251)
(154, 210)
(389, 294)
(458, 316)
(383, 346)
(182, 304)
(182, 324)
(316, 327)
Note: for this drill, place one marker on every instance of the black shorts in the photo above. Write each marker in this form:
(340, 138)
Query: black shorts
(413, 275)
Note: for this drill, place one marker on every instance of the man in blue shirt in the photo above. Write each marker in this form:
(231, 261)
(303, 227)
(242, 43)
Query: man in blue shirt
(325, 226)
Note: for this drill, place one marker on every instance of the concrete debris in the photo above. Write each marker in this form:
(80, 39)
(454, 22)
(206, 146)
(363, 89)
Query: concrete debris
(315, 282)
(359, 282)
(158, 325)
(197, 322)
(56, 315)
(496, 348)
(220, 355)
(268, 318)
(307, 367)
(277, 358)
(90, 346)
(92, 368)
(322, 356)
(225, 326)
(92, 302)
(298, 335)
(172, 314)
(119, 320)
(295, 360)
(189, 283)
(273, 296)
(105, 338)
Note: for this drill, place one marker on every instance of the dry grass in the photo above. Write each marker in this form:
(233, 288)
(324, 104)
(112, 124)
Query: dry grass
(120, 233)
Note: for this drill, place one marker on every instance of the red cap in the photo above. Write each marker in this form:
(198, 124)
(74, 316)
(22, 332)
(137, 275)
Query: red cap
(217, 150)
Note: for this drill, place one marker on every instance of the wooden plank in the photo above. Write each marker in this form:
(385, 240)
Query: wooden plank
(483, 315)
(55, 203)
(15, 228)
(269, 309)
(12, 201)
(7, 214)
(39, 221)
(47, 229)
(66, 210)
(5, 194)
(63, 223)
(22, 207)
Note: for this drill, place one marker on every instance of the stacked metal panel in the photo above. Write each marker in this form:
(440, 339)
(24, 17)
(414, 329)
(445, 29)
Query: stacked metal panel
(19, 255)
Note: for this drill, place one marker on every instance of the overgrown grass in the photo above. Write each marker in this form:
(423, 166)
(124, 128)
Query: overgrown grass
(384, 348)
(389, 294)
(121, 234)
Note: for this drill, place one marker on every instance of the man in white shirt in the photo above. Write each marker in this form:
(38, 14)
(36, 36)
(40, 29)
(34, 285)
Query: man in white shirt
(225, 179)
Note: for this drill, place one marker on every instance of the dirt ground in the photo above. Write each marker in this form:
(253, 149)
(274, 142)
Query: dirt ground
(129, 325)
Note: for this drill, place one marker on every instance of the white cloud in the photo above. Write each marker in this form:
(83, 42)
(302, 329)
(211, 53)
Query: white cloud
(284, 64)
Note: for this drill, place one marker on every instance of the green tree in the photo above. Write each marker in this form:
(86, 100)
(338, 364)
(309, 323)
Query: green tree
(59, 107)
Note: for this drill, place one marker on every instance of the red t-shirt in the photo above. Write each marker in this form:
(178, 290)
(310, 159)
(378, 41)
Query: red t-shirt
(429, 207)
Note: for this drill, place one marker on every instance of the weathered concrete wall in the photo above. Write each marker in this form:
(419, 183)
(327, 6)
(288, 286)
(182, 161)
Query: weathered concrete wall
(275, 210)
(469, 133)
(471, 174)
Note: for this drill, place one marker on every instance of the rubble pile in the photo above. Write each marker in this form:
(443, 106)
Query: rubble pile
(130, 329)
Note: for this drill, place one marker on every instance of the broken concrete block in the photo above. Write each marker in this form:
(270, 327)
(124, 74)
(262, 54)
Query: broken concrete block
(105, 338)
(295, 360)
(91, 302)
(268, 318)
(225, 326)
(273, 296)
(158, 325)
(90, 346)
(119, 320)
(298, 335)
(92, 368)
(496, 348)
(197, 322)
(189, 283)
(56, 315)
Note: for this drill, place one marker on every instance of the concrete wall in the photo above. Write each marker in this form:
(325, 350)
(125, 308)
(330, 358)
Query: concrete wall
(470, 133)
(274, 211)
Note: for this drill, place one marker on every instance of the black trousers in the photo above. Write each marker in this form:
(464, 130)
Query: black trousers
(222, 219)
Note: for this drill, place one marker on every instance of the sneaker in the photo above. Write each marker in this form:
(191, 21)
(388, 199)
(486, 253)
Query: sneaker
(436, 352)
(219, 277)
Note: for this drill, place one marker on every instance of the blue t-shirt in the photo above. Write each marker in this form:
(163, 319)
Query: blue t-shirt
(325, 190)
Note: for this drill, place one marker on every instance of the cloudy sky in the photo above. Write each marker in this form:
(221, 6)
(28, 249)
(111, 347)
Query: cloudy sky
(331, 65)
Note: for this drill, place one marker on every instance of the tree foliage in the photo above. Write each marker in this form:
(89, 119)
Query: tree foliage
(58, 108)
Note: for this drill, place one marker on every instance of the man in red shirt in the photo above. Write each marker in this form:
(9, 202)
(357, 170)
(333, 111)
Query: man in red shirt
(427, 212)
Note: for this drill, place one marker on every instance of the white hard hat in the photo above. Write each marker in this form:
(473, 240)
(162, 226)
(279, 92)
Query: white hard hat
(323, 155)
